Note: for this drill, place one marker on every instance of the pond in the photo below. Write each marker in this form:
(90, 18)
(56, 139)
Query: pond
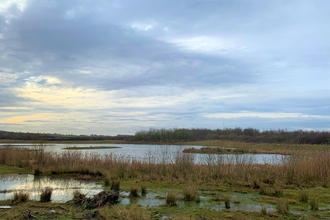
(163, 153)
(63, 188)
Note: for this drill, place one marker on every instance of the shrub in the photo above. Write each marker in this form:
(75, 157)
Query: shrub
(189, 193)
(134, 191)
(20, 197)
(171, 198)
(46, 194)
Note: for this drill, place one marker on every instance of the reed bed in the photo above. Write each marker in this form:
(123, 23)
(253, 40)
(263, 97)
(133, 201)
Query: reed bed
(310, 169)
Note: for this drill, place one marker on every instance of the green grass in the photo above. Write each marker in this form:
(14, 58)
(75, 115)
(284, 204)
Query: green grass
(13, 169)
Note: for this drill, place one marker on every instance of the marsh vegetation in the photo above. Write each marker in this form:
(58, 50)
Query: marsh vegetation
(294, 186)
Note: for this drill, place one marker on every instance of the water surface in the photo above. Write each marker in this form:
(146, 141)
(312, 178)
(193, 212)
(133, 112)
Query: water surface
(164, 153)
(63, 188)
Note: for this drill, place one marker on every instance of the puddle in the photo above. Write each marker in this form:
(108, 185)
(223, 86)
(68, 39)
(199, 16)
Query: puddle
(149, 200)
(240, 201)
(63, 188)
(5, 207)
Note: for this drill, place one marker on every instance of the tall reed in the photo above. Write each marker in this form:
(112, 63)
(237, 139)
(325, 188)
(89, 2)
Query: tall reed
(310, 168)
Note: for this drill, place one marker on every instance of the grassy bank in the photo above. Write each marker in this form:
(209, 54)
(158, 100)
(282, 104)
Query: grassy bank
(258, 148)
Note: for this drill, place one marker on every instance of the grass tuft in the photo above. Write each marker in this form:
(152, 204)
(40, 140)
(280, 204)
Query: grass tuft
(46, 194)
(115, 184)
(282, 207)
(171, 198)
(278, 192)
(303, 197)
(314, 204)
(227, 202)
(189, 193)
(134, 191)
(20, 197)
(143, 190)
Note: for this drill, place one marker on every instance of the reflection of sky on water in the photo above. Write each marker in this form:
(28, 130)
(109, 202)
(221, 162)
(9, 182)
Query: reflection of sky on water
(164, 153)
(63, 188)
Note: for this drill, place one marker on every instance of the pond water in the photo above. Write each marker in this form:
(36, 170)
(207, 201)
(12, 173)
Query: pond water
(63, 188)
(164, 153)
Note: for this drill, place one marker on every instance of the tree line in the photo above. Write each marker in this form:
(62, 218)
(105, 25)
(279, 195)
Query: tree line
(27, 136)
(186, 135)
(234, 134)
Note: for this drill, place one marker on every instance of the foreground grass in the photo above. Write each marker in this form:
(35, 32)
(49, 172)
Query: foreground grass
(216, 179)
(186, 210)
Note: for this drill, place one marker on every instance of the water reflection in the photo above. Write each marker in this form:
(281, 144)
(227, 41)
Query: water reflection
(63, 188)
(163, 154)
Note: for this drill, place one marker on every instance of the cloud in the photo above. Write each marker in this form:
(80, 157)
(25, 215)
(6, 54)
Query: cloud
(78, 66)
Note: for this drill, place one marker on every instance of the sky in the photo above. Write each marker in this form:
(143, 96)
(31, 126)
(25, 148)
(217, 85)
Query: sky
(120, 66)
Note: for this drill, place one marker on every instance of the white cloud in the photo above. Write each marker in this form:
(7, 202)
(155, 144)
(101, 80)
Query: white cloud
(143, 26)
(205, 44)
(262, 115)
(6, 77)
(6, 5)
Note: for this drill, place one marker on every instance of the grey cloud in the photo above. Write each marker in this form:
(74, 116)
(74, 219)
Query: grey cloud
(10, 99)
(279, 38)
(68, 38)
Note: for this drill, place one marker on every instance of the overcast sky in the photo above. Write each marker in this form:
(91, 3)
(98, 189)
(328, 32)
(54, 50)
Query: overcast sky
(119, 66)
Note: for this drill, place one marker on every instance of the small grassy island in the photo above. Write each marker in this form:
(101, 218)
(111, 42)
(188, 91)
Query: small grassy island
(90, 148)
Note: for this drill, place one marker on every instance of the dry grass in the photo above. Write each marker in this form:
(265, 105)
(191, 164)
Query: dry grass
(311, 169)
(189, 192)
(115, 184)
(20, 197)
(134, 211)
(171, 198)
(134, 191)
(282, 207)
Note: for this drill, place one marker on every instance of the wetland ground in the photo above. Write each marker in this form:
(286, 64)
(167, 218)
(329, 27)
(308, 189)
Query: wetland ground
(296, 188)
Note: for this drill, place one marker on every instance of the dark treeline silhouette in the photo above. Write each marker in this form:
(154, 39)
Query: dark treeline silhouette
(26, 136)
(185, 135)
(234, 134)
